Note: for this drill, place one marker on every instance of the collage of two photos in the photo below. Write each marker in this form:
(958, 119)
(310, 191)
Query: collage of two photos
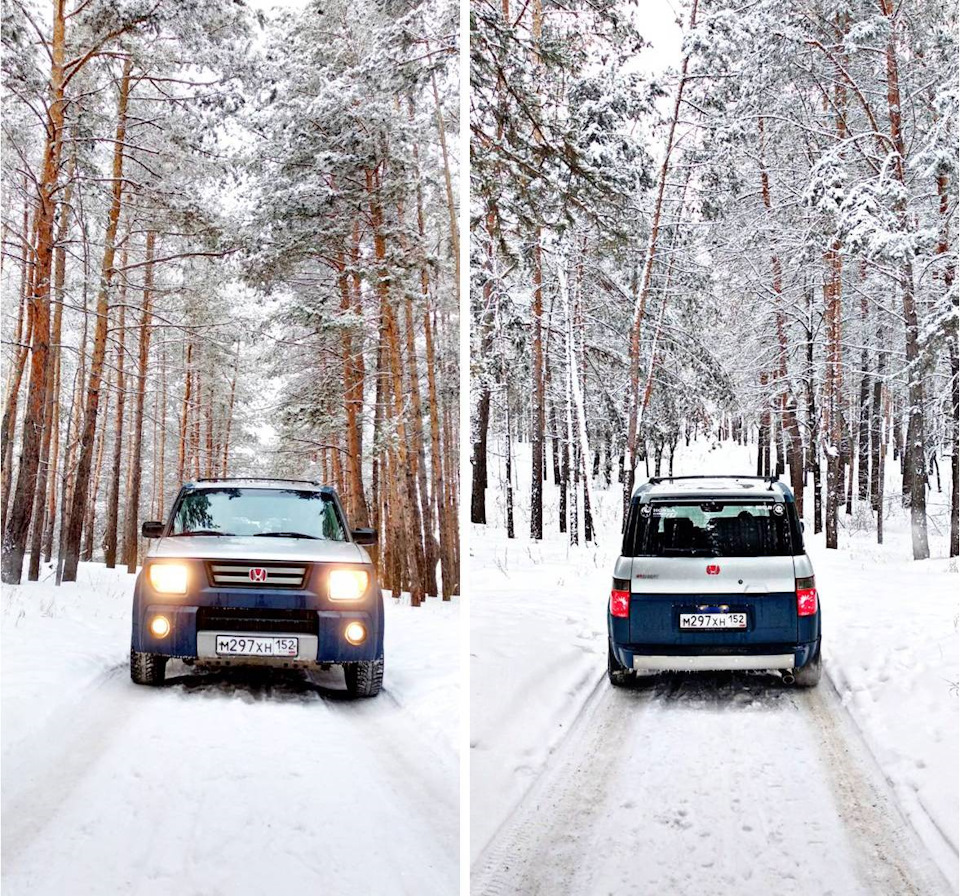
(479, 447)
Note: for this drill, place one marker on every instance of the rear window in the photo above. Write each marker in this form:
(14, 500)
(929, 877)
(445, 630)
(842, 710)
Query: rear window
(709, 529)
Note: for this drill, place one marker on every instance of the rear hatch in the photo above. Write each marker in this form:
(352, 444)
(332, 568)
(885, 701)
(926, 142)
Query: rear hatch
(763, 588)
(709, 558)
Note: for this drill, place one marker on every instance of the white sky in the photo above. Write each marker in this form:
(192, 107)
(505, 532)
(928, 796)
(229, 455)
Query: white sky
(656, 20)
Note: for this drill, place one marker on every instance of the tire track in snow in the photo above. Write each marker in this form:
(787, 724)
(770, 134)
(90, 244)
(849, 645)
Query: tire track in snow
(515, 840)
(758, 829)
(892, 858)
(41, 772)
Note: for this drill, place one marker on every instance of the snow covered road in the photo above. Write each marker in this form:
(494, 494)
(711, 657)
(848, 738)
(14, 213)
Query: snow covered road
(711, 783)
(238, 782)
(708, 784)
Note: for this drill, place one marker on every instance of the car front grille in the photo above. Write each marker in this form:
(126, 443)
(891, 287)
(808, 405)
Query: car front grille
(235, 619)
(257, 575)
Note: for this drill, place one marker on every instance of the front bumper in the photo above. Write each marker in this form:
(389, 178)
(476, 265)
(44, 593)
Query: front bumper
(324, 644)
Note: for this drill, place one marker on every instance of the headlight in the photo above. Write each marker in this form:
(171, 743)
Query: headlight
(348, 584)
(160, 626)
(168, 578)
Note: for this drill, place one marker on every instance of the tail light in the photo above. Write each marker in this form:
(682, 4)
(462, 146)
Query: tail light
(807, 600)
(620, 599)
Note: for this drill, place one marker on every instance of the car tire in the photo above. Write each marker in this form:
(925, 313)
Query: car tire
(620, 676)
(364, 679)
(808, 676)
(147, 668)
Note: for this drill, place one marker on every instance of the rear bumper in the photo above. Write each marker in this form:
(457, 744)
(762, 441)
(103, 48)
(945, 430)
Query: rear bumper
(698, 663)
(664, 658)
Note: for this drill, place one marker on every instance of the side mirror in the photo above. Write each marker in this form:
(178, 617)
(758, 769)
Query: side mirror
(364, 536)
(152, 530)
(802, 527)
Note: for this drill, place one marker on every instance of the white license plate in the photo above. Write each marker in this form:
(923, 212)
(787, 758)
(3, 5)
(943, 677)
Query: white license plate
(713, 620)
(241, 645)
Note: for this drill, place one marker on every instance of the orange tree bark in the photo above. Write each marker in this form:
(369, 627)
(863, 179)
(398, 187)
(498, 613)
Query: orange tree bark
(130, 539)
(17, 523)
(82, 486)
(113, 488)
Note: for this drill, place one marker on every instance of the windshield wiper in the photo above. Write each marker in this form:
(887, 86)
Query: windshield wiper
(203, 532)
(286, 535)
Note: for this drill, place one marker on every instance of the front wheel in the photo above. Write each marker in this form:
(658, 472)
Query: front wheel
(364, 679)
(620, 676)
(809, 675)
(147, 668)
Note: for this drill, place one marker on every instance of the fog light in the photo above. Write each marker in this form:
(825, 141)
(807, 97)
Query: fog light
(160, 626)
(355, 633)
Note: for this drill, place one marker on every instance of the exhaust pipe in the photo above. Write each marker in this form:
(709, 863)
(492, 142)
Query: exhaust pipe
(788, 678)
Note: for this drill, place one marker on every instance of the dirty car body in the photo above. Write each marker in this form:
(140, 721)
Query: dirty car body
(713, 576)
(258, 572)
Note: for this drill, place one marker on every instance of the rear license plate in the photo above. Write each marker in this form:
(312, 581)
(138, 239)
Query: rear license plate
(713, 620)
(238, 645)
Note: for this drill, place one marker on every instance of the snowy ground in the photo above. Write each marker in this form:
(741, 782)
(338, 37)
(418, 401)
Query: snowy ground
(227, 784)
(711, 783)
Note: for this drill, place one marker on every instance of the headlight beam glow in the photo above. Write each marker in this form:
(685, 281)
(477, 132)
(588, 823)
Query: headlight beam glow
(347, 584)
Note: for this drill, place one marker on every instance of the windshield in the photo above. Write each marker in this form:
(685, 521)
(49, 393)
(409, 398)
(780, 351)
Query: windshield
(258, 511)
(713, 529)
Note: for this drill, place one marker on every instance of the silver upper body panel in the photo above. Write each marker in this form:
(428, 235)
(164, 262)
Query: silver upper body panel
(720, 488)
(251, 547)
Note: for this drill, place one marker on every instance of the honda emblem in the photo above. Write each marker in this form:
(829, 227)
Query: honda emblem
(713, 570)
(258, 574)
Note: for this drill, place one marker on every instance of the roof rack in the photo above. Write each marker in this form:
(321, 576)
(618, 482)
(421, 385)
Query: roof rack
(656, 480)
(255, 479)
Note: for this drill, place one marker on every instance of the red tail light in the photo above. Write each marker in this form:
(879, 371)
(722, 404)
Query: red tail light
(807, 599)
(620, 604)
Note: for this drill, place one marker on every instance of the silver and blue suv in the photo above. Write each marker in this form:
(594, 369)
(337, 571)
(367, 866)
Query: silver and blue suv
(713, 576)
(262, 572)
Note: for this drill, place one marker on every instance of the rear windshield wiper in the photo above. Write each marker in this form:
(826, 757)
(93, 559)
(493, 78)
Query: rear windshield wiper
(286, 535)
(203, 532)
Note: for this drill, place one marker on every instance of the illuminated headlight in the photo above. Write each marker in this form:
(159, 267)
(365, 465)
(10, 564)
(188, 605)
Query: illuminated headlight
(160, 626)
(169, 578)
(348, 584)
(355, 633)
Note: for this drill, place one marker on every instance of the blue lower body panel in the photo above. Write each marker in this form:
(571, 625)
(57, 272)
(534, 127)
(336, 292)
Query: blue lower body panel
(773, 628)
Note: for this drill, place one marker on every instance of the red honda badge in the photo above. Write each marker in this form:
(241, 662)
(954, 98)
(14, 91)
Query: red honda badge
(712, 570)
(258, 574)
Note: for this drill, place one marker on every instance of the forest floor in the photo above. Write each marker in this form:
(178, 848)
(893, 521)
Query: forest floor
(711, 783)
(229, 784)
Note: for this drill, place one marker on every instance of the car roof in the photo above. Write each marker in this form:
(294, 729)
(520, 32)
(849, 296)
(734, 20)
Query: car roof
(302, 485)
(720, 487)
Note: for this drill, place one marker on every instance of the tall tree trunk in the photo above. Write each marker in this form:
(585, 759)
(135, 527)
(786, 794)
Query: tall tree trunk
(409, 506)
(538, 423)
(634, 417)
(82, 486)
(130, 535)
(915, 461)
(111, 525)
(24, 336)
(17, 522)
